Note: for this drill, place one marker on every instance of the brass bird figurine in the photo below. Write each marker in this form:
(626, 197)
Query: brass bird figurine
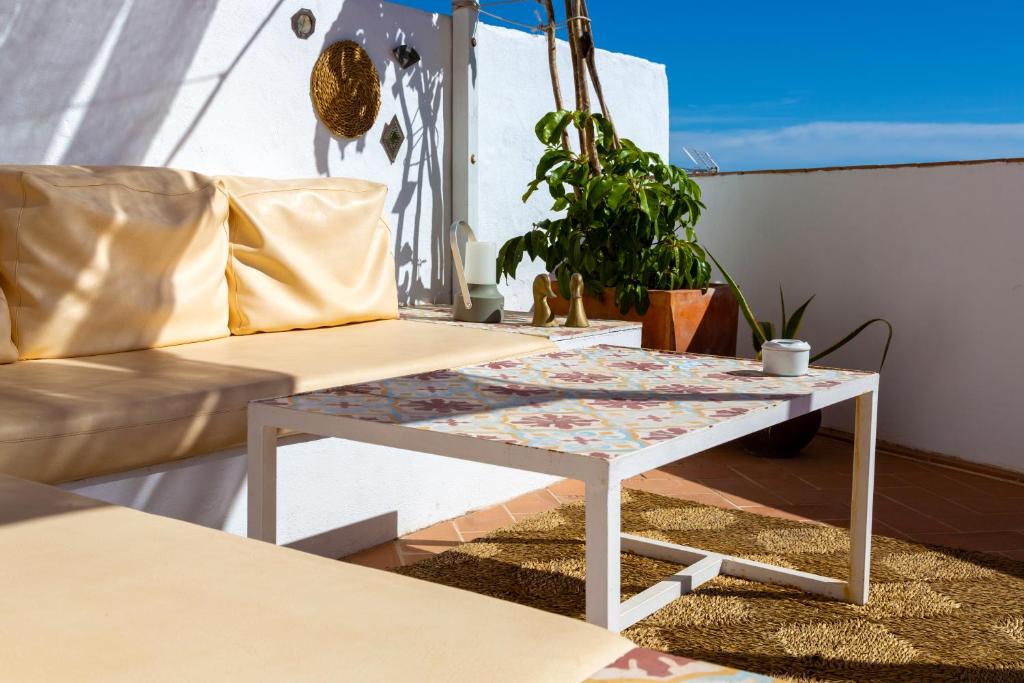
(577, 314)
(543, 316)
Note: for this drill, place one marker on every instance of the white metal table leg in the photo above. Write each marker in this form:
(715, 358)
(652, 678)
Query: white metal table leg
(862, 498)
(262, 484)
(603, 522)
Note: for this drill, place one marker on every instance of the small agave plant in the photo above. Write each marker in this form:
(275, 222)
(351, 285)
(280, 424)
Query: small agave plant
(789, 327)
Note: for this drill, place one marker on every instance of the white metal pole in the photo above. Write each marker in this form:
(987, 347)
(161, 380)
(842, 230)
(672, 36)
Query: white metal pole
(465, 19)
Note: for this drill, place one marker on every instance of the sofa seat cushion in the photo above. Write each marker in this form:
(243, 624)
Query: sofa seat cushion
(308, 253)
(80, 417)
(104, 259)
(96, 592)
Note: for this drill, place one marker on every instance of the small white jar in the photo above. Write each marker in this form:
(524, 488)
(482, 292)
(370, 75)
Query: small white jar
(785, 357)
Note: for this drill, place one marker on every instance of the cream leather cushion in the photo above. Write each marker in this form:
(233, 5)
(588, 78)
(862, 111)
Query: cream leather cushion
(75, 418)
(308, 253)
(97, 260)
(95, 592)
(8, 352)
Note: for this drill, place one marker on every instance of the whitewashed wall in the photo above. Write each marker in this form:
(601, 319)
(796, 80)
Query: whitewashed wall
(223, 87)
(939, 251)
(515, 91)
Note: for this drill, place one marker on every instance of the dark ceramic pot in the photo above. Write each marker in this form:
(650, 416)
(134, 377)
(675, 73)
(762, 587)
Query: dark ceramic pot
(784, 440)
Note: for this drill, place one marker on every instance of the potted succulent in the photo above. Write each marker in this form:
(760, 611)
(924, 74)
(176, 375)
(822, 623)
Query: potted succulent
(790, 437)
(626, 223)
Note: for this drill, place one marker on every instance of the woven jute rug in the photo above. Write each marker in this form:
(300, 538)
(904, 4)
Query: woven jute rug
(935, 614)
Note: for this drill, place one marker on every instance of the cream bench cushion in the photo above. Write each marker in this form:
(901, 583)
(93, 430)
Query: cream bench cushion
(99, 259)
(95, 592)
(68, 419)
(313, 252)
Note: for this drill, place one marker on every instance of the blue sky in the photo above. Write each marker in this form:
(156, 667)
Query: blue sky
(813, 83)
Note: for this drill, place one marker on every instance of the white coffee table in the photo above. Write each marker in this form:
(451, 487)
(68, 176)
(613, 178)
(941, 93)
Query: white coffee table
(600, 414)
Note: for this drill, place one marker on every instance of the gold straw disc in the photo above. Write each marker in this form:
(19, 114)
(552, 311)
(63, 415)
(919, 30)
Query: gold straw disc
(345, 89)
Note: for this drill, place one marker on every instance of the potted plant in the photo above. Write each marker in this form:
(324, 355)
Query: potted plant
(790, 437)
(627, 225)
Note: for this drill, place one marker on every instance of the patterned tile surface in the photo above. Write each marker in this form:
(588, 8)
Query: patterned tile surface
(640, 664)
(603, 402)
(515, 321)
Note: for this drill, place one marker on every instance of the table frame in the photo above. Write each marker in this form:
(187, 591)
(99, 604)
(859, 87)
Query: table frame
(603, 481)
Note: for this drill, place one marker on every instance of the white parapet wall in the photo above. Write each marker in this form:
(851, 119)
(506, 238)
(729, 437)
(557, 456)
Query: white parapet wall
(936, 249)
(223, 88)
(515, 92)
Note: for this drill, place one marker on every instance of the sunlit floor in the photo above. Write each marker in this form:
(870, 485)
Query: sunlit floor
(913, 500)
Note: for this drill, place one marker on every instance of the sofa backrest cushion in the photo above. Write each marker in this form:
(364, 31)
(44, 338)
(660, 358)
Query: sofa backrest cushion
(104, 259)
(308, 253)
(8, 352)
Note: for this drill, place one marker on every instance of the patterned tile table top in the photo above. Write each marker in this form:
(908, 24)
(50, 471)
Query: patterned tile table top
(639, 665)
(602, 401)
(515, 321)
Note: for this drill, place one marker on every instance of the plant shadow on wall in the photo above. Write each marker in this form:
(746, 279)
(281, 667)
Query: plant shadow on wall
(418, 202)
(92, 82)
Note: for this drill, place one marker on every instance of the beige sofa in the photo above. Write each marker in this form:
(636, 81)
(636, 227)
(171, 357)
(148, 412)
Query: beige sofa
(142, 308)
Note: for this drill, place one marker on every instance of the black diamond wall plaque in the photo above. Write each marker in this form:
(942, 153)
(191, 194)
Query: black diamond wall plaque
(392, 138)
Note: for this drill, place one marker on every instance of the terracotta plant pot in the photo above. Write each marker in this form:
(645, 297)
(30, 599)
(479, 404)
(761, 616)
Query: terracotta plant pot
(677, 320)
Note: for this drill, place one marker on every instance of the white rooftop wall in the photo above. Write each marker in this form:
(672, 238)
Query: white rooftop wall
(938, 251)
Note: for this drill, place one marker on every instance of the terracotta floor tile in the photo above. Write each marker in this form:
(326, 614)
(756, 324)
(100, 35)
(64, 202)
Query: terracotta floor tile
(408, 558)
(383, 556)
(937, 481)
(923, 501)
(679, 483)
(434, 539)
(674, 488)
(829, 481)
(533, 502)
(999, 521)
(1013, 554)
(883, 529)
(1007, 489)
(484, 521)
(745, 493)
(568, 488)
(795, 490)
(906, 519)
(989, 504)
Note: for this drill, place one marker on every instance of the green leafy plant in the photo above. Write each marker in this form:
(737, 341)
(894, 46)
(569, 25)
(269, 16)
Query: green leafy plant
(789, 326)
(628, 218)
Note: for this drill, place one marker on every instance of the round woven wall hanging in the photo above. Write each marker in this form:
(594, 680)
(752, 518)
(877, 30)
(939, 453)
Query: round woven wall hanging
(345, 89)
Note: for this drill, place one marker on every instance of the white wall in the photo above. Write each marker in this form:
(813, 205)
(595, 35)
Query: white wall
(223, 87)
(515, 91)
(939, 251)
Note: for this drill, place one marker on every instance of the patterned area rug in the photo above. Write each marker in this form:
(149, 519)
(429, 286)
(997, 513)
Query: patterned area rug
(935, 614)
